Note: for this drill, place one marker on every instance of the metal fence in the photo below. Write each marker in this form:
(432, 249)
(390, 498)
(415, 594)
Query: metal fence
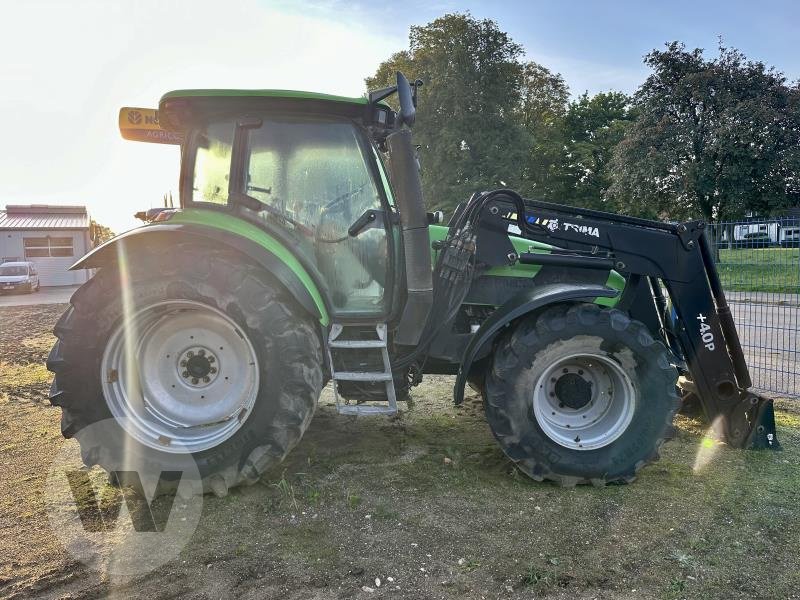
(759, 264)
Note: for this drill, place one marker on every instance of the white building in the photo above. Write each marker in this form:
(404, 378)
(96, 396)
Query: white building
(52, 237)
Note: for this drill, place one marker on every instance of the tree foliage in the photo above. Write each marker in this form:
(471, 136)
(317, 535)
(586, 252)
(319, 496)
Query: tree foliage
(593, 126)
(99, 234)
(541, 111)
(712, 138)
(468, 136)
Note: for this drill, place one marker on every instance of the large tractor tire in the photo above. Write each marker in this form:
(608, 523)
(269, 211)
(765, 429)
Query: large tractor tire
(196, 352)
(581, 394)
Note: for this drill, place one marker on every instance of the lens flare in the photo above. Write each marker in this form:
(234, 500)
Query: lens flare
(709, 447)
(131, 372)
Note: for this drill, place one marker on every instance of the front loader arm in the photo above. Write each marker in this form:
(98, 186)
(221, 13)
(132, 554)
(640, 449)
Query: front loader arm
(677, 256)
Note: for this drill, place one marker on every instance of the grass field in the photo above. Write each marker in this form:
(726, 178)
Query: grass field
(426, 504)
(775, 270)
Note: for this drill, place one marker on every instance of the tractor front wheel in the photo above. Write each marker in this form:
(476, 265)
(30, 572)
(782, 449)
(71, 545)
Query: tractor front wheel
(581, 394)
(197, 353)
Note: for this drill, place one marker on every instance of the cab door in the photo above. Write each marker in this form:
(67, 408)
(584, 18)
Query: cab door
(317, 178)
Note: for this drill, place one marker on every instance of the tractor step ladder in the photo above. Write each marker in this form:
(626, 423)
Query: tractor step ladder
(385, 376)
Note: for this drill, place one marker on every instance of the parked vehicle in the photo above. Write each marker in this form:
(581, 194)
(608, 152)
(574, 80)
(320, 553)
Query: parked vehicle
(790, 235)
(756, 239)
(18, 276)
(751, 235)
(781, 231)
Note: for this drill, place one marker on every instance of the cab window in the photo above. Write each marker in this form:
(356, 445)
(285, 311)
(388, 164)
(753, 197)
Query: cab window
(212, 163)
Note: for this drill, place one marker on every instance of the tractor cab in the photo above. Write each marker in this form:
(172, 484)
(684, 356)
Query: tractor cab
(308, 180)
(304, 168)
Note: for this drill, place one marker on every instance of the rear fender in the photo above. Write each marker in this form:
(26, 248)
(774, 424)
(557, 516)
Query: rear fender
(521, 305)
(161, 238)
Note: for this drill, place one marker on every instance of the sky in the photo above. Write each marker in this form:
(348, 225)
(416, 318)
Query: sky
(68, 67)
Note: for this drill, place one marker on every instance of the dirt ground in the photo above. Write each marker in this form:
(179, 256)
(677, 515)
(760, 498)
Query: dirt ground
(427, 504)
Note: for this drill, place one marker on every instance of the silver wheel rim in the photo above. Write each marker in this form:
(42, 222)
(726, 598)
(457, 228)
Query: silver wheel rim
(584, 401)
(180, 376)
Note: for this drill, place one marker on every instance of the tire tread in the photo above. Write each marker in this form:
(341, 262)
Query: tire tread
(526, 339)
(262, 304)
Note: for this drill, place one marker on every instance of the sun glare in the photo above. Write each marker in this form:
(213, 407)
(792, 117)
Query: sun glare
(708, 448)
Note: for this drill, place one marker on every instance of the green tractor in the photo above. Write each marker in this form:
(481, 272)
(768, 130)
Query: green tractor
(302, 253)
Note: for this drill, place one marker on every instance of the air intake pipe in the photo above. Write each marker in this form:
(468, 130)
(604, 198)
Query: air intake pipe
(404, 173)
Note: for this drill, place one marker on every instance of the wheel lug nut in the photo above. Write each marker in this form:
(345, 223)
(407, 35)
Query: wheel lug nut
(183, 363)
(194, 380)
(190, 354)
(185, 374)
(206, 380)
(212, 370)
(201, 352)
(211, 359)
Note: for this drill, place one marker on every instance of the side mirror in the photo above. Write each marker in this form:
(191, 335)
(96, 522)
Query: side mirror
(408, 111)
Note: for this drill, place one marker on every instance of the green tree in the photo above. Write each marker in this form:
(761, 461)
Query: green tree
(593, 126)
(99, 234)
(541, 111)
(713, 138)
(469, 139)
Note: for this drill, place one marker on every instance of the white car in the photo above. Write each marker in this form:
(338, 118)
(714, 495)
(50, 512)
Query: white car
(18, 277)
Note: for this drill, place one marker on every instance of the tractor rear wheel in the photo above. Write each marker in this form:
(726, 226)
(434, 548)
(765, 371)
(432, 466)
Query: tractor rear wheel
(581, 394)
(199, 353)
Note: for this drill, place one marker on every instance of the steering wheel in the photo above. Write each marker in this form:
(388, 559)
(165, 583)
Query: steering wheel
(340, 199)
(335, 205)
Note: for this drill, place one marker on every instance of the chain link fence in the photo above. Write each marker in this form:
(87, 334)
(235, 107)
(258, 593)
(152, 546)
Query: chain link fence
(759, 264)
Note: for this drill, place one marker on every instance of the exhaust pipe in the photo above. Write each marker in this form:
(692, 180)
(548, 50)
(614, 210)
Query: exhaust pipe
(404, 173)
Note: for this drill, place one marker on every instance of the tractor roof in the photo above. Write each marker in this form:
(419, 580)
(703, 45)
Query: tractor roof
(178, 107)
(283, 94)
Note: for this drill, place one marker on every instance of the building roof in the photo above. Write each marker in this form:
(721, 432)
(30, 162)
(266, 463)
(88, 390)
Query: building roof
(44, 216)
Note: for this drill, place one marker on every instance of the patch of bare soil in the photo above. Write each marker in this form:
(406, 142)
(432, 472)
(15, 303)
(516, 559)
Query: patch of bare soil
(423, 506)
(30, 435)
